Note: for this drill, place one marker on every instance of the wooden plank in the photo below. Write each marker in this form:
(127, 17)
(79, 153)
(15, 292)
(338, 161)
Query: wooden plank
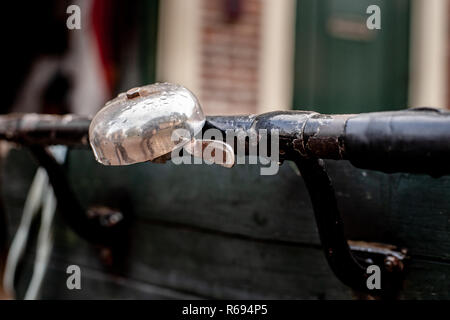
(412, 211)
(237, 201)
(168, 263)
(426, 280)
(406, 210)
(213, 265)
(95, 284)
(399, 209)
(221, 233)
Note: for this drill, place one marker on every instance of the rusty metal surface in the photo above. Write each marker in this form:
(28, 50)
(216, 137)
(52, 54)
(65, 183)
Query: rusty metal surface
(415, 140)
(45, 129)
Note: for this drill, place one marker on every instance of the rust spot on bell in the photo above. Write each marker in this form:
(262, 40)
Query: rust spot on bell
(133, 93)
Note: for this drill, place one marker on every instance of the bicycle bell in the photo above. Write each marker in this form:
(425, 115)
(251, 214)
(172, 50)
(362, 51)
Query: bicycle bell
(140, 125)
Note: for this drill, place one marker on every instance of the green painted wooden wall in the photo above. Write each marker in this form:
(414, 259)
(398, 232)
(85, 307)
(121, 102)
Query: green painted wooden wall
(209, 232)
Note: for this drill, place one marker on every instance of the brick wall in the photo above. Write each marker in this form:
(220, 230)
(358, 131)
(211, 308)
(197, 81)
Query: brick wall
(230, 44)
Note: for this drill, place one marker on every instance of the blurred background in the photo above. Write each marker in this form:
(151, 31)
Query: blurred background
(238, 56)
